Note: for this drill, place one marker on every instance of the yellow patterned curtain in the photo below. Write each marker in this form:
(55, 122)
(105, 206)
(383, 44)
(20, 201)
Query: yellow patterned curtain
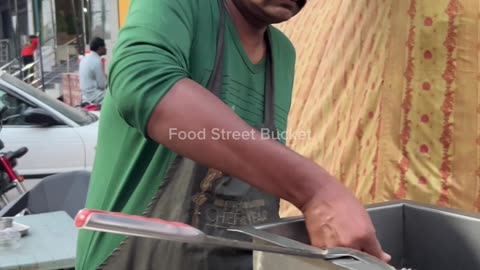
(389, 91)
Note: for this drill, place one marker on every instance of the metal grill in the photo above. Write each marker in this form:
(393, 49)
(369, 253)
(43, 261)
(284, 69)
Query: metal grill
(4, 50)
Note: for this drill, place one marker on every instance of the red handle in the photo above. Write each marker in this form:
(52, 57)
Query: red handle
(125, 224)
(84, 215)
(8, 169)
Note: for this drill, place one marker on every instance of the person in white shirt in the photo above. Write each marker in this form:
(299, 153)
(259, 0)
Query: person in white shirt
(93, 80)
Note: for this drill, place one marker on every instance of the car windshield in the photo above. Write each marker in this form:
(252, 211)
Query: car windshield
(79, 116)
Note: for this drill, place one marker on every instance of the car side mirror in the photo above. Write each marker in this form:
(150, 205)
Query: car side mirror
(40, 116)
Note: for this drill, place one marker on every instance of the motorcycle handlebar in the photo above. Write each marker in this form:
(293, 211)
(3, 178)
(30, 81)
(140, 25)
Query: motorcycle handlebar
(16, 154)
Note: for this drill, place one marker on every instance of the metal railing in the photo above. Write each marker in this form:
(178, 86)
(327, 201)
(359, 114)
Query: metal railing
(67, 45)
(4, 50)
(57, 71)
(7, 66)
(59, 74)
(31, 70)
(31, 73)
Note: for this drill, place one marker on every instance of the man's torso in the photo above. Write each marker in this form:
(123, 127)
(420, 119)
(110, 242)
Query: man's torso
(88, 82)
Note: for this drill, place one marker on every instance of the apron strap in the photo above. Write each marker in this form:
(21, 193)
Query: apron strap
(269, 110)
(216, 78)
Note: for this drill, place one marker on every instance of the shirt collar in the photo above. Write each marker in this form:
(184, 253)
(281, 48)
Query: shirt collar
(93, 53)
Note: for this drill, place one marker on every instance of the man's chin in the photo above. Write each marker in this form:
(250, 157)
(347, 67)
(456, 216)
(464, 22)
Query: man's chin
(280, 15)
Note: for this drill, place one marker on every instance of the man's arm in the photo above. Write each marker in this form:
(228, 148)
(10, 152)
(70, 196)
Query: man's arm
(264, 163)
(34, 43)
(100, 77)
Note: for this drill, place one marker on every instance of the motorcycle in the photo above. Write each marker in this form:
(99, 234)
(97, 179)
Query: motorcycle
(94, 103)
(89, 106)
(9, 178)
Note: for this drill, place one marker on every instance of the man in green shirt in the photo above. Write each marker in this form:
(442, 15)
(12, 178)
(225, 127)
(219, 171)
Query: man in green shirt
(199, 96)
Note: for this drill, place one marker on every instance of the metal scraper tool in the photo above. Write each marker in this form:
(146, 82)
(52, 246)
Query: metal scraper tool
(139, 226)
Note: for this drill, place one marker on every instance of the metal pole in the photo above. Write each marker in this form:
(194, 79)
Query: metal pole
(54, 20)
(15, 38)
(81, 49)
(84, 28)
(39, 27)
(68, 58)
(18, 43)
(15, 3)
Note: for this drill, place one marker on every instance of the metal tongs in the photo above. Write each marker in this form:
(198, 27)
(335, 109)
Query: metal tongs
(118, 223)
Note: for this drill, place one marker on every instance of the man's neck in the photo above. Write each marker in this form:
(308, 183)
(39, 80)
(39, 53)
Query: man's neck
(250, 32)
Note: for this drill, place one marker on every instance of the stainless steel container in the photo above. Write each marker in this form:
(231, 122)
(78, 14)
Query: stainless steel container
(418, 236)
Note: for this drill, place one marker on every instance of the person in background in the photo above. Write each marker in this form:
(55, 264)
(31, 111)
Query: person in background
(93, 81)
(28, 52)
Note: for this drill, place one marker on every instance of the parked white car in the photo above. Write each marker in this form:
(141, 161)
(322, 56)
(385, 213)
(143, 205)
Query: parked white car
(59, 137)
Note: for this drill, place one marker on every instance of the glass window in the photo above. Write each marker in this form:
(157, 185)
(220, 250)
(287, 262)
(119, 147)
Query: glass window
(79, 116)
(15, 108)
(96, 19)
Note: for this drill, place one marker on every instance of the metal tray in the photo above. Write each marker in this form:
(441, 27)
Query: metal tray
(21, 228)
(418, 236)
(8, 222)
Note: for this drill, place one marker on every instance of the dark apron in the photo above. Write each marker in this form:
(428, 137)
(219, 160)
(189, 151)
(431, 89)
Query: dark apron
(205, 198)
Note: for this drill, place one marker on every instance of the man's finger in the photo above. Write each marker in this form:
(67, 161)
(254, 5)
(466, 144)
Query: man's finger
(373, 247)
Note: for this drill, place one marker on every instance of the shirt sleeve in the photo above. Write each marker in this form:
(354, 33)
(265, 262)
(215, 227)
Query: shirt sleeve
(151, 55)
(34, 44)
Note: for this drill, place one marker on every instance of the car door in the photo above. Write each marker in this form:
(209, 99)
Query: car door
(51, 149)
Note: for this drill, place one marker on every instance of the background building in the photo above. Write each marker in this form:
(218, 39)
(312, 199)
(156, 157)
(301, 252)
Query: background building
(65, 28)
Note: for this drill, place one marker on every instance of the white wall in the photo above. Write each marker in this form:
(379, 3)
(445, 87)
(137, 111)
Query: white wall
(48, 35)
(31, 25)
(113, 26)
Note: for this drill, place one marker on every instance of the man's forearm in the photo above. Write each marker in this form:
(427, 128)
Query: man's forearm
(189, 108)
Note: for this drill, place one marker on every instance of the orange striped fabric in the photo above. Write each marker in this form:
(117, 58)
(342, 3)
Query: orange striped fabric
(389, 91)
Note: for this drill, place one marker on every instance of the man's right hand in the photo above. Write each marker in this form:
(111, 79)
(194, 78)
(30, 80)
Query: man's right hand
(335, 218)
